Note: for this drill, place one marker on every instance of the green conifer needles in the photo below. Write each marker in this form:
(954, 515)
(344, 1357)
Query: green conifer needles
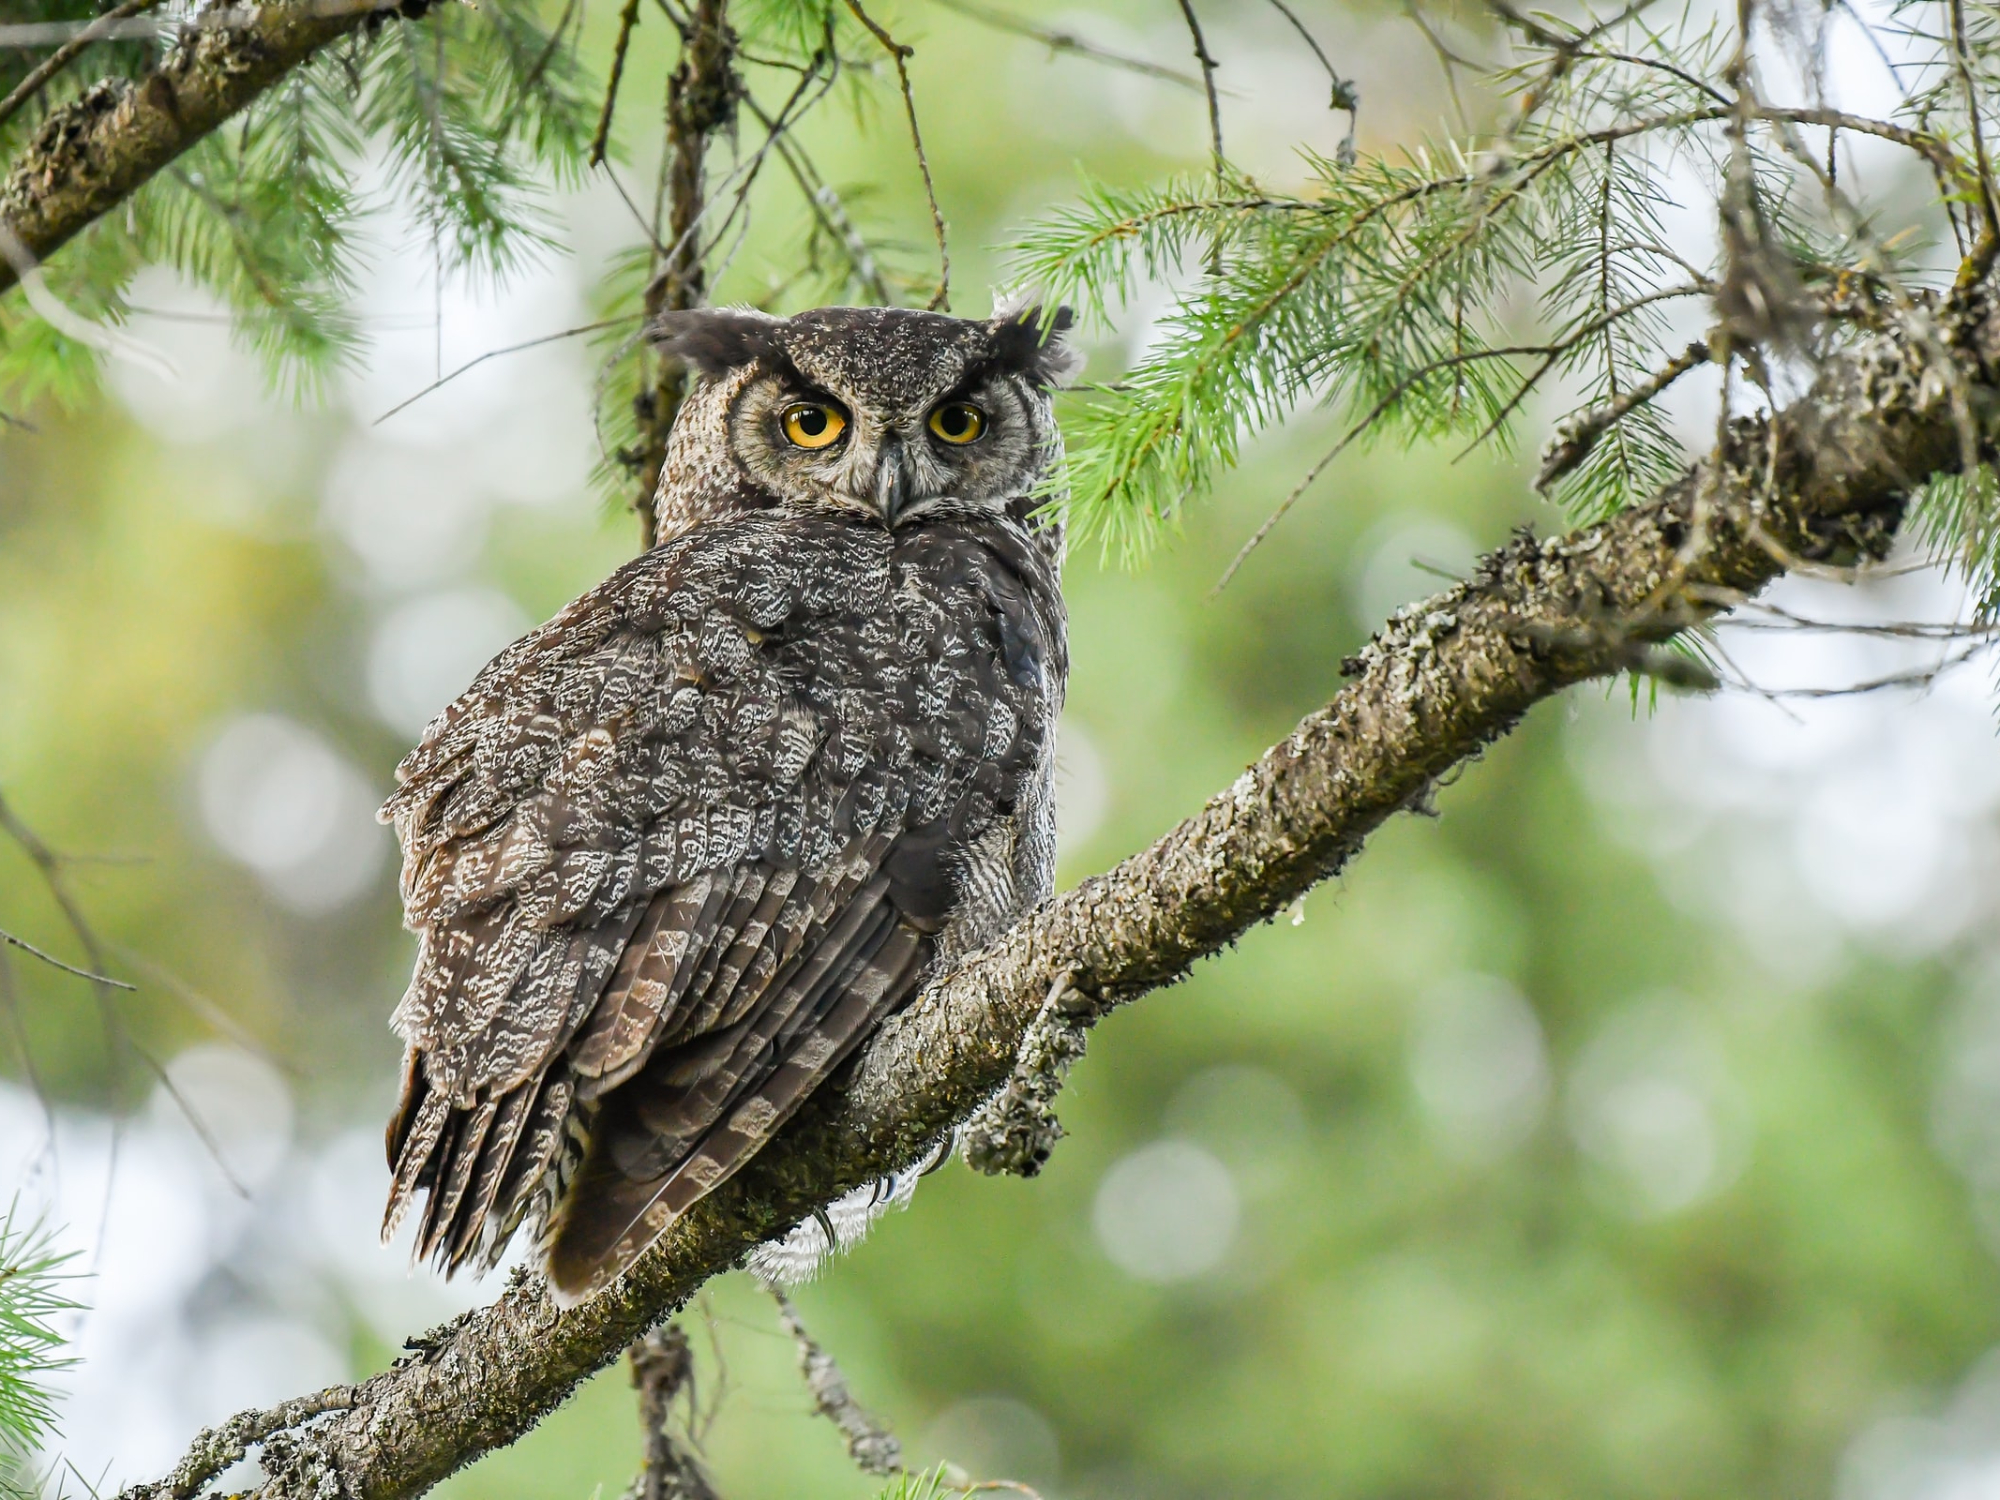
(31, 1300)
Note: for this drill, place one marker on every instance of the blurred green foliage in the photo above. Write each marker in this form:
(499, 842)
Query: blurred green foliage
(1393, 1319)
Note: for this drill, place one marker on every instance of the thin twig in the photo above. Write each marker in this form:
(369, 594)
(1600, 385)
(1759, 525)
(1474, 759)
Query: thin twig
(1449, 62)
(873, 1448)
(68, 53)
(1963, 64)
(117, 1038)
(1071, 43)
(207, 1010)
(1208, 67)
(601, 139)
(832, 216)
(1630, 59)
(743, 177)
(1914, 677)
(941, 299)
(17, 1025)
(55, 963)
(1310, 40)
(662, 1372)
(547, 338)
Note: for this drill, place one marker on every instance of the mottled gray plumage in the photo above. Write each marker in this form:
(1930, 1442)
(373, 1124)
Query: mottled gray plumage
(675, 853)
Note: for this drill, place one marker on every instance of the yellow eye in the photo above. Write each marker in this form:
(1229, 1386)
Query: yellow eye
(958, 423)
(810, 425)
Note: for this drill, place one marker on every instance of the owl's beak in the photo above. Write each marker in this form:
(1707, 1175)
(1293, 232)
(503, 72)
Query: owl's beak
(894, 482)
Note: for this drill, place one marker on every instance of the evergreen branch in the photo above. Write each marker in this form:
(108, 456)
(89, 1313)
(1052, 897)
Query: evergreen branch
(31, 1299)
(1579, 435)
(1825, 479)
(99, 149)
(69, 52)
(1549, 354)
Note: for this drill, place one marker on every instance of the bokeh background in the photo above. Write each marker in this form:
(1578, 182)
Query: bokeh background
(1630, 1128)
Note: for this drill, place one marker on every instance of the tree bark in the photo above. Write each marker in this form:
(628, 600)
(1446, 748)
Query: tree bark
(702, 96)
(1826, 481)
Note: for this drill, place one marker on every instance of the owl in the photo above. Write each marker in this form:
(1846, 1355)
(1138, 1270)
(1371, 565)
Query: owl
(675, 854)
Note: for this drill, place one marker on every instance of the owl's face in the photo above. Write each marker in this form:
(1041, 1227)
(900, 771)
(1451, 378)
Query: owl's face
(886, 413)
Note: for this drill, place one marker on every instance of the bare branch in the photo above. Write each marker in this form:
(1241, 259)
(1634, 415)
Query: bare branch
(702, 97)
(1069, 42)
(219, 1447)
(600, 140)
(1208, 67)
(50, 959)
(901, 54)
(872, 1446)
(663, 1371)
(471, 364)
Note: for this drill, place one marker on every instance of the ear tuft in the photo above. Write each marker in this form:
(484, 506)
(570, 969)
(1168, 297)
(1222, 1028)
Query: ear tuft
(711, 340)
(1030, 339)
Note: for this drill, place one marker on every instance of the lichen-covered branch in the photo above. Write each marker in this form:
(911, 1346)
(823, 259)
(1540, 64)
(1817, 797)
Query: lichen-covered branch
(872, 1446)
(1826, 481)
(702, 96)
(662, 1371)
(98, 149)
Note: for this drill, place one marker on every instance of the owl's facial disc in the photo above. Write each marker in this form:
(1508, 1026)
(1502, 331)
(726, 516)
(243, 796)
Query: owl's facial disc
(965, 444)
(894, 414)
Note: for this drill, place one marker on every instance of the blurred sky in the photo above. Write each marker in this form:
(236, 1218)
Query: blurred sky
(1631, 1128)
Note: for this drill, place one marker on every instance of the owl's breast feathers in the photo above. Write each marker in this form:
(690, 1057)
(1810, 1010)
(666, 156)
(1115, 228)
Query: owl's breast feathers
(677, 852)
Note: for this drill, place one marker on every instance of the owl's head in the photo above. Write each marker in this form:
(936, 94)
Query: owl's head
(883, 412)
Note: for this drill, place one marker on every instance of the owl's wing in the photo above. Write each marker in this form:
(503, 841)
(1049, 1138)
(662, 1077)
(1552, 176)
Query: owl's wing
(673, 856)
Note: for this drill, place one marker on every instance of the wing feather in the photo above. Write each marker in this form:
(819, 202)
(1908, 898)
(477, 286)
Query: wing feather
(676, 852)
(503, 1140)
(654, 1130)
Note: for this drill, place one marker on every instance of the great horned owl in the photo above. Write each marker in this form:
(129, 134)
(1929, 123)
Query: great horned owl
(674, 855)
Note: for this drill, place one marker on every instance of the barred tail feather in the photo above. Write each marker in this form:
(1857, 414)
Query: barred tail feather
(649, 1162)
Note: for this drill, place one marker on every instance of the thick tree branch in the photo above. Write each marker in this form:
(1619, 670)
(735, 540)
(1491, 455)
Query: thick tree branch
(103, 146)
(1827, 481)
